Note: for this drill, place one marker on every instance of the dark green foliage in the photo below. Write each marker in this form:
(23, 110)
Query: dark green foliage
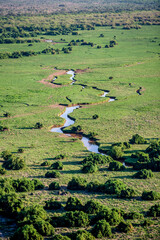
(60, 156)
(14, 163)
(46, 163)
(52, 204)
(10, 204)
(137, 139)
(143, 174)
(154, 149)
(27, 232)
(114, 186)
(95, 116)
(52, 174)
(133, 215)
(38, 125)
(93, 207)
(92, 135)
(102, 229)
(116, 152)
(125, 227)
(20, 150)
(6, 155)
(89, 167)
(94, 187)
(101, 35)
(147, 222)
(123, 145)
(7, 114)
(150, 195)
(97, 159)
(38, 185)
(77, 219)
(44, 227)
(57, 165)
(73, 204)
(2, 170)
(77, 183)
(23, 185)
(116, 166)
(83, 235)
(127, 193)
(154, 211)
(60, 237)
(6, 185)
(54, 186)
(31, 214)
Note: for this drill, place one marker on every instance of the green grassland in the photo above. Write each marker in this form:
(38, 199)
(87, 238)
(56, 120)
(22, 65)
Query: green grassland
(133, 63)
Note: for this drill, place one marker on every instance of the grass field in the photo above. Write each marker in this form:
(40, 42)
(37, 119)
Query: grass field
(132, 64)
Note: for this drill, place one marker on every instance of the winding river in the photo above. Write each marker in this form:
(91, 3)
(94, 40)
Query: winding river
(92, 147)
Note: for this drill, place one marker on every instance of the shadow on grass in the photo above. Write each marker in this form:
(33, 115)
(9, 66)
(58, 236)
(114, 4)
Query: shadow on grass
(72, 163)
(49, 159)
(70, 171)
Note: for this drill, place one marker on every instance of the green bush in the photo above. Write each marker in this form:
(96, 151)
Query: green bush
(89, 167)
(52, 204)
(116, 166)
(2, 170)
(154, 211)
(38, 125)
(52, 174)
(95, 116)
(60, 156)
(73, 204)
(44, 228)
(83, 235)
(94, 187)
(97, 159)
(10, 204)
(116, 152)
(23, 185)
(93, 207)
(114, 186)
(154, 149)
(133, 215)
(54, 186)
(60, 237)
(27, 232)
(6, 185)
(7, 114)
(127, 193)
(143, 174)
(20, 150)
(125, 227)
(38, 185)
(77, 219)
(150, 195)
(102, 229)
(147, 222)
(45, 163)
(137, 139)
(123, 145)
(3, 128)
(6, 155)
(57, 165)
(77, 183)
(14, 163)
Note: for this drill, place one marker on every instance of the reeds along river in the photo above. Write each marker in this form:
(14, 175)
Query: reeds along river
(91, 146)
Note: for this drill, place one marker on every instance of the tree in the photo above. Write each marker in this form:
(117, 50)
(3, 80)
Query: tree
(102, 229)
(116, 152)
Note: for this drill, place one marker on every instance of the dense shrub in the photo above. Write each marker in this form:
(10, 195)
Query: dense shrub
(2, 170)
(54, 186)
(137, 139)
(82, 235)
(114, 186)
(93, 207)
(38, 185)
(57, 165)
(45, 163)
(89, 167)
(95, 116)
(60, 156)
(20, 150)
(154, 211)
(154, 149)
(123, 145)
(77, 183)
(44, 227)
(77, 219)
(147, 222)
(116, 152)
(73, 204)
(96, 158)
(38, 125)
(14, 163)
(60, 237)
(150, 195)
(94, 187)
(27, 232)
(143, 174)
(127, 193)
(133, 215)
(10, 204)
(23, 185)
(52, 174)
(52, 204)
(102, 229)
(6, 155)
(116, 166)
(125, 227)
(6, 185)
(3, 128)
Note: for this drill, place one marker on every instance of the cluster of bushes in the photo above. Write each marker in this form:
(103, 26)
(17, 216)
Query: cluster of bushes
(128, 27)
(14, 163)
(57, 165)
(60, 156)
(137, 139)
(116, 166)
(3, 128)
(143, 174)
(150, 195)
(112, 43)
(52, 174)
(20, 185)
(14, 40)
